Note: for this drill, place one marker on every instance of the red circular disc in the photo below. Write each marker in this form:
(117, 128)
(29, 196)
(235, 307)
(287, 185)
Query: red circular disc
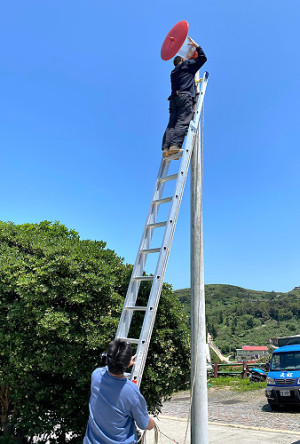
(174, 40)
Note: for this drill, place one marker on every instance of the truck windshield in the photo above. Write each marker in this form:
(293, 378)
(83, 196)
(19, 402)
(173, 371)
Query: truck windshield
(286, 361)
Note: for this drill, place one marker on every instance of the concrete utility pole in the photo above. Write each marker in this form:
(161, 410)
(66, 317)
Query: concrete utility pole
(199, 411)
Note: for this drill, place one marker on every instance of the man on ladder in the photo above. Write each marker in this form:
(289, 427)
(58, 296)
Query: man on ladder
(182, 99)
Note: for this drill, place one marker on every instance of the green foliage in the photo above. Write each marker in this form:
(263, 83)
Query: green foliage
(237, 316)
(236, 383)
(214, 356)
(7, 440)
(60, 303)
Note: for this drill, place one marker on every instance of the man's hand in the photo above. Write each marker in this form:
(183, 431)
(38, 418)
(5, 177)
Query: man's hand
(192, 43)
(132, 361)
(151, 423)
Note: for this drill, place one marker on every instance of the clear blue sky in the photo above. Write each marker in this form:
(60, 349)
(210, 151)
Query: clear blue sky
(84, 106)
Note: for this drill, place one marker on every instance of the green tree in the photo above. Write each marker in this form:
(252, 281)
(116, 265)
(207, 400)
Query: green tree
(250, 322)
(221, 317)
(60, 303)
(213, 331)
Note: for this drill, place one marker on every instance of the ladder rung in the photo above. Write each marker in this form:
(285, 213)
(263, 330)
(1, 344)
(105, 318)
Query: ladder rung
(143, 278)
(131, 340)
(136, 307)
(161, 201)
(158, 224)
(167, 178)
(150, 250)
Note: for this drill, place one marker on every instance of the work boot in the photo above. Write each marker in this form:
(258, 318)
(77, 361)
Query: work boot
(174, 149)
(166, 152)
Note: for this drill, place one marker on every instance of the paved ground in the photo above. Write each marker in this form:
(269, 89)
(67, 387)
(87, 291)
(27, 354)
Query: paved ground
(234, 418)
(175, 430)
(230, 407)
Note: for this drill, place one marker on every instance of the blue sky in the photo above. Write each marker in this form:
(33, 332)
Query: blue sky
(84, 106)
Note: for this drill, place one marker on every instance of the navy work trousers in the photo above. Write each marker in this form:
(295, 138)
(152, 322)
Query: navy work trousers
(181, 113)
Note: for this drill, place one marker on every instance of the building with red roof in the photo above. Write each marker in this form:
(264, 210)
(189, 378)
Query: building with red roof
(251, 352)
(254, 347)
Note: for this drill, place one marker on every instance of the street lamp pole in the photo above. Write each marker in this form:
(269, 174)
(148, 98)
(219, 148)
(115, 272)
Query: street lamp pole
(199, 408)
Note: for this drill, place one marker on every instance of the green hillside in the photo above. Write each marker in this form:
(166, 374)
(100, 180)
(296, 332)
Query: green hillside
(237, 316)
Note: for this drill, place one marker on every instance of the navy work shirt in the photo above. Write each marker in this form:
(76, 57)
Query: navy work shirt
(183, 75)
(115, 404)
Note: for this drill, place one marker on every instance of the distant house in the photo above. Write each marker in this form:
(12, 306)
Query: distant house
(251, 352)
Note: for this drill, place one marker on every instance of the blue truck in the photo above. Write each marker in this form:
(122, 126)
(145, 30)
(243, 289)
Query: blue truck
(283, 380)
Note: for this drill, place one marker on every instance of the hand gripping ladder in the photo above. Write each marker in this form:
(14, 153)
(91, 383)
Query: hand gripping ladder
(144, 249)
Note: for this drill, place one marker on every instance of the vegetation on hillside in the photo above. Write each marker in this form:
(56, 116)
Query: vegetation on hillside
(237, 316)
(60, 303)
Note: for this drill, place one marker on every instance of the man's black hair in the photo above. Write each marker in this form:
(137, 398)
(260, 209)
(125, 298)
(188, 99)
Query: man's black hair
(177, 60)
(118, 356)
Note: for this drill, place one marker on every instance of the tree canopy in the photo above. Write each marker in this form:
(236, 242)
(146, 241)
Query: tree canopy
(60, 303)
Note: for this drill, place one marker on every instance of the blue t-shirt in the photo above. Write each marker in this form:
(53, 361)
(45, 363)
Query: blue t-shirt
(115, 404)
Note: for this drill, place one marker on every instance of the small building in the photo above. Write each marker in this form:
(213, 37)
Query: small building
(285, 340)
(251, 352)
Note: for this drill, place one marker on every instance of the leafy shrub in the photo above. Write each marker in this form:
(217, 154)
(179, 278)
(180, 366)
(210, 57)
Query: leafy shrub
(60, 303)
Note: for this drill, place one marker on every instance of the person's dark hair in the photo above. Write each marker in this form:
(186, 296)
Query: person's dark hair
(118, 356)
(177, 60)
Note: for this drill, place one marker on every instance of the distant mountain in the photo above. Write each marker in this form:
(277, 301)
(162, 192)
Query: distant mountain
(237, 316)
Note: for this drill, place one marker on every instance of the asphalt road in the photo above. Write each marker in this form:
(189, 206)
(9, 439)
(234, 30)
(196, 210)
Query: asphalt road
(248, 409)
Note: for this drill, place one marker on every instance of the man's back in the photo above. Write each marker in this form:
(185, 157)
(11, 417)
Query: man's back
(182, 76)
(115, 404)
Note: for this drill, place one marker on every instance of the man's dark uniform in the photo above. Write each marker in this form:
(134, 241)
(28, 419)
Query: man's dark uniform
(182, 99)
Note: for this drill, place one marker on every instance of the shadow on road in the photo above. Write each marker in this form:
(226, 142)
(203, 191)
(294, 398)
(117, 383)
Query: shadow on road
(282, 409)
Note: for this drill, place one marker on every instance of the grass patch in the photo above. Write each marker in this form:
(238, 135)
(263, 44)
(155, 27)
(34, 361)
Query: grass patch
(236, 383)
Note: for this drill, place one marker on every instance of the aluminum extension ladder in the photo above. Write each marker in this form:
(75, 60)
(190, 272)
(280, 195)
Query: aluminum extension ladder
(164, 250)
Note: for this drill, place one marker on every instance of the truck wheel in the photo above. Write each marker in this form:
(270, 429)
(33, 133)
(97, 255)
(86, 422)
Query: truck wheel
(273, 406)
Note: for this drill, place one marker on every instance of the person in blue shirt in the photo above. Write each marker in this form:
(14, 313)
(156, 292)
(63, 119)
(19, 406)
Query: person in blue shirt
(116, 403)
(182, 100)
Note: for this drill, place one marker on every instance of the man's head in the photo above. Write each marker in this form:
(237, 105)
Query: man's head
(119, 354)
(178, 60)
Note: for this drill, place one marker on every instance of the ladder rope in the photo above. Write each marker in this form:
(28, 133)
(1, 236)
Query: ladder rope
(157, 436)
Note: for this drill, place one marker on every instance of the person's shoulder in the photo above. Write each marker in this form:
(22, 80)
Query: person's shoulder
(187, 62)
(98, 372)
(132, 388)
(177, 68)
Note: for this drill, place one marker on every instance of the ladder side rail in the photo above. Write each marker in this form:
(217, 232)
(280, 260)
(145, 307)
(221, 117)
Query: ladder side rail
(154, 297)
(195, 121)
(156, 288)
(138, 269)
